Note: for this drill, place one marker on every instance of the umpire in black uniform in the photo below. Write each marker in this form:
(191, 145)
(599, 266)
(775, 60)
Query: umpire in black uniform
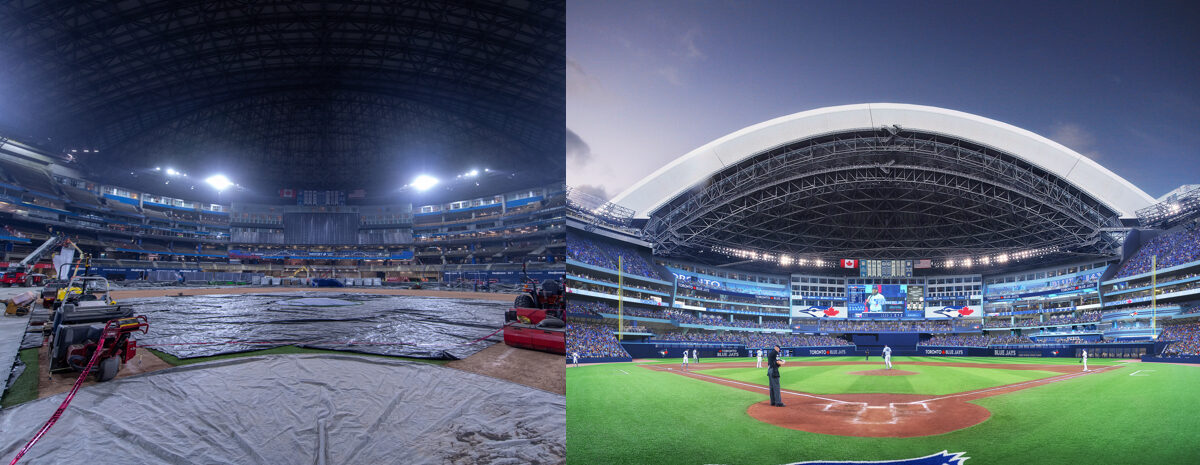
(773, 364)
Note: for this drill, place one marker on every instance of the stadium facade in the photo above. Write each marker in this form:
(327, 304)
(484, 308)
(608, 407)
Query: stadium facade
(981, 238)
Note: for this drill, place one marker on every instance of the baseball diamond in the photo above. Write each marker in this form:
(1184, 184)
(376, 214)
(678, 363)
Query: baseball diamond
(973, 404)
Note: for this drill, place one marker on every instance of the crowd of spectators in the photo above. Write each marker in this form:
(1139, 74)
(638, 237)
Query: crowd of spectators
(606, 256)
(1186, 337)
(1172, 249)
(754, 340)
(596, 308)
(871, 326)
(627, 285)
(592, 340)
(973, 340)
(1084, 280)
(586, 308)
(713, 320)
(1065, 319)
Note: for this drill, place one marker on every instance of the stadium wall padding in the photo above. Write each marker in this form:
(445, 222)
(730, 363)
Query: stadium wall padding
(675, 350)
(1192, 359)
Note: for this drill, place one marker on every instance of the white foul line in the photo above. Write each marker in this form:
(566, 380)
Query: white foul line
(1139, 371)
(782, 391)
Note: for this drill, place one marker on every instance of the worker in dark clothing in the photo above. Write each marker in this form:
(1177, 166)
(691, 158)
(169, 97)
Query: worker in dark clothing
(773, 364)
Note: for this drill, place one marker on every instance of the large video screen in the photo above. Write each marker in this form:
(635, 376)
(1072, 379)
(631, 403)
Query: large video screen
(878, 297)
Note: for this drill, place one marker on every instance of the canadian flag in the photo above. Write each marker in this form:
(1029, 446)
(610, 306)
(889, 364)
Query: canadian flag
(287, 193)
(849, 263)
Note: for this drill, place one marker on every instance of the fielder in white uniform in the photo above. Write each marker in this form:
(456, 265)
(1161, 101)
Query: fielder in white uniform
(685, 359)
(887, 357)
(758, 360)
(1084, 360)
(696, 355)
(575, 358)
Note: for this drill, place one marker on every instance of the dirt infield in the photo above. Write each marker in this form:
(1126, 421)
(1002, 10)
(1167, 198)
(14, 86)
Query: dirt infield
(178, 291)
(882, 372)
(535, 369)
(881, 415)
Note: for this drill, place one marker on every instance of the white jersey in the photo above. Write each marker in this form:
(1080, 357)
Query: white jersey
(696, 354)
(887, 352)
(875, 302)
(1085, 354)
(685, 356)
(575, 357)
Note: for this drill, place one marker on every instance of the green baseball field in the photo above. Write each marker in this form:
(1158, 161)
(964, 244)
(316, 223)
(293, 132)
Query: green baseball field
(994, 410)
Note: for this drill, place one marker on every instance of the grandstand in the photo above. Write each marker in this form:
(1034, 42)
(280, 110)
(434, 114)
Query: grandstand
(809, 261)
(481, 241)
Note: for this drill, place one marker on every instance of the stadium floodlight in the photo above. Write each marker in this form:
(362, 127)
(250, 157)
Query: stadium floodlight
(171, 172)
(219, 182)
(473, 173)
(157, 168)
(424, 182)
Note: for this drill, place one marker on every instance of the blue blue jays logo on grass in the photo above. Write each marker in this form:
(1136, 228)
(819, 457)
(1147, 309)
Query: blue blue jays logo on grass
(940, 458)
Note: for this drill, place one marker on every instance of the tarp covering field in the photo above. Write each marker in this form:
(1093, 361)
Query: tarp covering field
(411, 326)
(318, 409)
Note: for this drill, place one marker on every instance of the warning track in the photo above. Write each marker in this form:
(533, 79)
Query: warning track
(880, 415)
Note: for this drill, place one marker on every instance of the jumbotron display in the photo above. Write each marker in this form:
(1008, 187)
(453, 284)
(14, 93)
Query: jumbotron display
(878, 297)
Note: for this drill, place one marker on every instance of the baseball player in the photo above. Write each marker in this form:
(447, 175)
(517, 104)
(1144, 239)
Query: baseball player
(1084, 360)
(685, 359)
(696, 355)
(875, 302)
(758, 360)
(575, 358)
(887, 357)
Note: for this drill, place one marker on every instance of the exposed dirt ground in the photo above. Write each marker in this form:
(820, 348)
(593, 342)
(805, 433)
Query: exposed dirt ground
(531, 368)
(49, 385)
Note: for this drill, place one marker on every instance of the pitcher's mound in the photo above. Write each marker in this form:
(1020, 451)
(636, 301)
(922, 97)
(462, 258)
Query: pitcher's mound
(882, 372)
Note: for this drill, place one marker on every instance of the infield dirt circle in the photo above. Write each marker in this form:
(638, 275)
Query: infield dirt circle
(881, 415)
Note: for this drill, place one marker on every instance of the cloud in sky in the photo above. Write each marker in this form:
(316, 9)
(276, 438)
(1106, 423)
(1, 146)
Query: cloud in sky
(691, 51)
(594, 190)
(578, 152)
(1076, 138)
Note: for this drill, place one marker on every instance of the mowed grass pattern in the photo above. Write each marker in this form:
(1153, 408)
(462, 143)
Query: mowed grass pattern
(621, 413)
(835, 379)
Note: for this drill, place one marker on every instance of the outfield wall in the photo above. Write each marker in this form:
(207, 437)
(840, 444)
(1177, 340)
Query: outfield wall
(726, 350)
(1189, 359)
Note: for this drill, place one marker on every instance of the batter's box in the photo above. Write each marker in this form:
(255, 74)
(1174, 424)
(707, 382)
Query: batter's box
(849, 408)
(910, 408)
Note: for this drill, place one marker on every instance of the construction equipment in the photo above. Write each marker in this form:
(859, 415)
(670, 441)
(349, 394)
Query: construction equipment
(86, 315)
(22, 273)
(19, 304)
(536, 319)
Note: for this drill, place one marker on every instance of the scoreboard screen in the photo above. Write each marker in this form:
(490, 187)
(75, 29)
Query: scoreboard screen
(885, 268)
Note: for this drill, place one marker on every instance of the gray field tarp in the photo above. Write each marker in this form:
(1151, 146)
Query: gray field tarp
(296, 409)
(12, 333)
(411, 326)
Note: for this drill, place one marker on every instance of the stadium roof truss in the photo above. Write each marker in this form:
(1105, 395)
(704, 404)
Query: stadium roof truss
(883, 193)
